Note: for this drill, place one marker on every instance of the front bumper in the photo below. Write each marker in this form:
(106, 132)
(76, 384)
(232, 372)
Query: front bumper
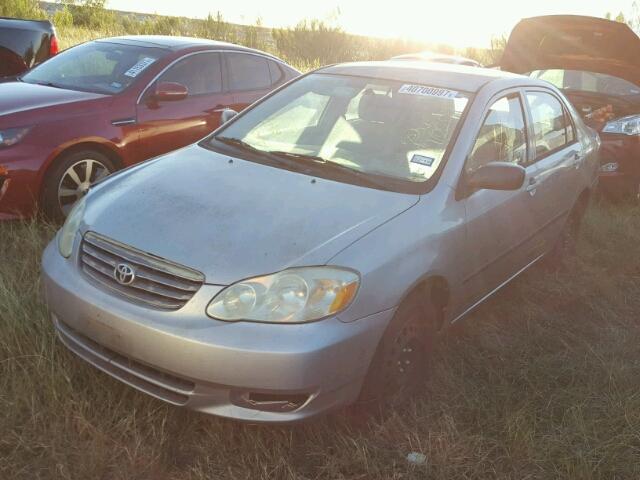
(18, 181)
(247, 371)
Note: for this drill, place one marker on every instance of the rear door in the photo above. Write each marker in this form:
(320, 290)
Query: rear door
(558, 156)
(503, 234)
(251, 76)
(167, 125)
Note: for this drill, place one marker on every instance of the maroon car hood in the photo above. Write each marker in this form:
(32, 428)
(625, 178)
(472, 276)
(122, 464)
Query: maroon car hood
(20, 97)
(572, 42)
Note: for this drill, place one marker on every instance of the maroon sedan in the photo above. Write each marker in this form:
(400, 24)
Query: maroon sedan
(108, 104)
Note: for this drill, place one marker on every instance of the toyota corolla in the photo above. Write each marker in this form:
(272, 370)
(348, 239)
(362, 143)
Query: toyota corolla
(307, 253)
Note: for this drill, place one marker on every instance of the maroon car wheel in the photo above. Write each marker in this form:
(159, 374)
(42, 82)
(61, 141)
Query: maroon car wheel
(70, 179)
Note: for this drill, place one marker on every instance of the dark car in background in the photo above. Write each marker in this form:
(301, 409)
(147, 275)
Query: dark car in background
(107, 104)
(596, 63)
(24, 44)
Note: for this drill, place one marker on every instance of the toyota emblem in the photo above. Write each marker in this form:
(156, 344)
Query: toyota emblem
(124, 274)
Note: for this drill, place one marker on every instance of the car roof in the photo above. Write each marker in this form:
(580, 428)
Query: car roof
(442, 75)
(178, 43)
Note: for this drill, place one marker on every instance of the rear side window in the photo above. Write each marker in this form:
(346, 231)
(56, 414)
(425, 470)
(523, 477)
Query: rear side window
(248, 72)
(502, 137)
(550, 124)
(200, 73)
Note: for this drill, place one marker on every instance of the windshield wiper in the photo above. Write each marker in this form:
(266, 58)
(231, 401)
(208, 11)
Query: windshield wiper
(334, 166)
(236, 142)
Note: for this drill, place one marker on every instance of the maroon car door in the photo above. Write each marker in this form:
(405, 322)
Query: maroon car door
(171, 124)
(249, 77)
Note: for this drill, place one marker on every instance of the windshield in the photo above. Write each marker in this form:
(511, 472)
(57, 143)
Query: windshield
(99, 67)
(380, 129)
(587, 82)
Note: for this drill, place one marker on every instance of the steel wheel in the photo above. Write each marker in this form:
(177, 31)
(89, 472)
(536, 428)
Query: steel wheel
(76, 181)
(404, 365)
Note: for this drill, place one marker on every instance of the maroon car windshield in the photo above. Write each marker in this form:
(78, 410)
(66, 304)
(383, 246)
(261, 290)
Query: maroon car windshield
(98, 67)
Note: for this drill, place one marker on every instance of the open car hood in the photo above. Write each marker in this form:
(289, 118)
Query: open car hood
(572, 42)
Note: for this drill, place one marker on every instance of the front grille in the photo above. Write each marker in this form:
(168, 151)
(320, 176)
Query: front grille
(158, 283)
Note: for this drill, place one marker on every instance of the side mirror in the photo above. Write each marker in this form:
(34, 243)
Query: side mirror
(497, 176)
(226, 115)
(170, 92)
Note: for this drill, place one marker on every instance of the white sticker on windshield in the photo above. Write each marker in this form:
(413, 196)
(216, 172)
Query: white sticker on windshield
(139, 67)
(423, 160)
(427, 91)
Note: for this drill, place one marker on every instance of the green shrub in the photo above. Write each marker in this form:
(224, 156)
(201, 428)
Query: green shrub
(21, 9)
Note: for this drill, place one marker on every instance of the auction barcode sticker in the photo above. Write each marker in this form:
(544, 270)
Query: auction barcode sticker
(427, 91)
(139, 67)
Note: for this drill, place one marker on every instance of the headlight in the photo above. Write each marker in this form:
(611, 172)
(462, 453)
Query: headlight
(12, 136)
(295, 295)
(626, 125)
(70, 228)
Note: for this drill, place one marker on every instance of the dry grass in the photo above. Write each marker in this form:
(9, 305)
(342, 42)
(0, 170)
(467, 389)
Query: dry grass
(543, 384)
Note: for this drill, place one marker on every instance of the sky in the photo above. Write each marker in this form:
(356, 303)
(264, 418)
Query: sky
(460, 23)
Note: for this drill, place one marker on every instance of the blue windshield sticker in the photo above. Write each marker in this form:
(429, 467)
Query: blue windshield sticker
(423, 160)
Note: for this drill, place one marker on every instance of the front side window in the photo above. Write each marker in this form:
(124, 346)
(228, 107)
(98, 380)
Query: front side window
(336, 124)
(549, 122)
(248, 72)
(200, 73)
(100, 67)
(502, 137)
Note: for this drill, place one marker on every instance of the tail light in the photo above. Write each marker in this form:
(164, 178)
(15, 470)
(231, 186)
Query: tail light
(53, 45)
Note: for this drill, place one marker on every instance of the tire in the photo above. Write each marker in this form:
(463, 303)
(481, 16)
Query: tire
(66, 181)
(401, 363)
(565, 246)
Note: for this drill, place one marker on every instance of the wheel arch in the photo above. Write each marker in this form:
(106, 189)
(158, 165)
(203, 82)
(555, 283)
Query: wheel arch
(434, 288)
(98, 145)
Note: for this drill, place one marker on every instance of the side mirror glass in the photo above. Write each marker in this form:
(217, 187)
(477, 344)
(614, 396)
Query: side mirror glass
(170, 92)
(497, 176)
(227, 114)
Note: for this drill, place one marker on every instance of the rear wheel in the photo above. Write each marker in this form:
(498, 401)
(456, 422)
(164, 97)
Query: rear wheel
(565, 247)
(70, 179)
(401, 363)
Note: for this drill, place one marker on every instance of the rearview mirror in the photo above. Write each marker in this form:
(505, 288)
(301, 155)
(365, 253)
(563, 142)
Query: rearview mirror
(496, 176)
(170, 91)
(227, 114)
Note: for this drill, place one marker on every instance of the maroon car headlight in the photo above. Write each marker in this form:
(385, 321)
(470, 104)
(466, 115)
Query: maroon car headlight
(626, 125)
(11, 136)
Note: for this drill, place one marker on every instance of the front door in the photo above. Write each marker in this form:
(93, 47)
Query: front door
(168, 125)
(502, 229)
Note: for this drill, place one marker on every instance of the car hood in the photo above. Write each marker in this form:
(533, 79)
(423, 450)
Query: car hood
(573, 42)
(16, 97)
(233, 219)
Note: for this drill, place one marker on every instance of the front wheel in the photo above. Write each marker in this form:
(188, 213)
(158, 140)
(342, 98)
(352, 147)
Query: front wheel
(566, 244)
(401, 362)
(70, 179)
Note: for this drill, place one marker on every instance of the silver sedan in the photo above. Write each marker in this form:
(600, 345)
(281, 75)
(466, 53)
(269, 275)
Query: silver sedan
(306, 255)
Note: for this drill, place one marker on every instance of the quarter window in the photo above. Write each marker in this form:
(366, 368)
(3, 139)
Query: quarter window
(502, 136)
(248, 72)
(200, 73)
(549, 122)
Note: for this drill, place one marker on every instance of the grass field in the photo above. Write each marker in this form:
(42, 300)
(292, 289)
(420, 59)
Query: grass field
(543, 383)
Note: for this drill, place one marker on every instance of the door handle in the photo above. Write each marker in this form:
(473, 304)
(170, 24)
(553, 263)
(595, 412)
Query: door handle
(577, 160)
(532, 188)
(218, 109)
